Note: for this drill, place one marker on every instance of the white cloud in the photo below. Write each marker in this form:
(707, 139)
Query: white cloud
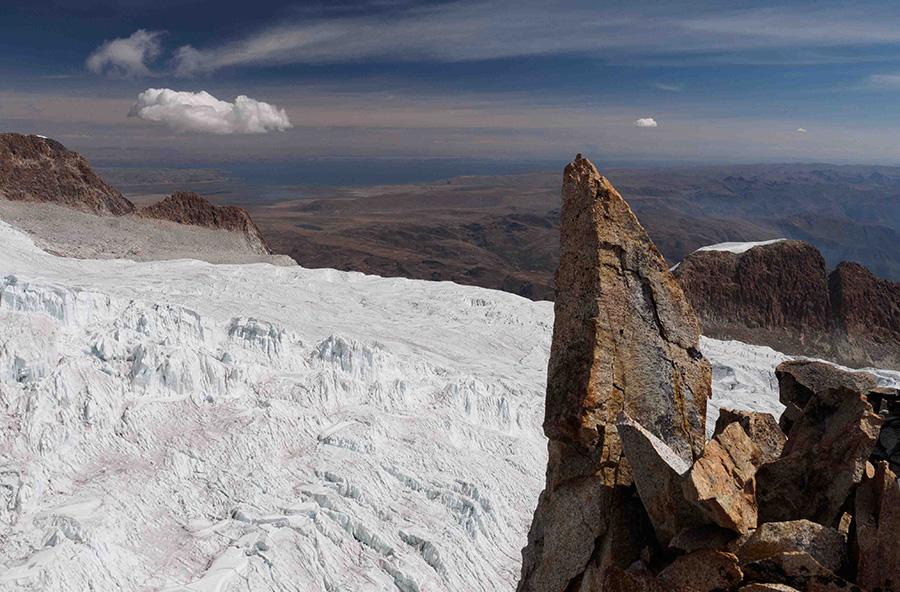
(646, 122)
(202, 112)
(126, 57)
(801, 130)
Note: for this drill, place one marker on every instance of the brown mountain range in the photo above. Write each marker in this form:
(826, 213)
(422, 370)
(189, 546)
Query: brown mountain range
(503, 231)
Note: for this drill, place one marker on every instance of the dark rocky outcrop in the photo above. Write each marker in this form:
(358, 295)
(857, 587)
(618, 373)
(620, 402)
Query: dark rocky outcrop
(624, 339)
(186, 207)
(38, 169)
(782, 295)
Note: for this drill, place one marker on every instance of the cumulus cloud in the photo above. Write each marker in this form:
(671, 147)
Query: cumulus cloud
(646, 122)
(801, 130)
(202, 112)
(126, 56)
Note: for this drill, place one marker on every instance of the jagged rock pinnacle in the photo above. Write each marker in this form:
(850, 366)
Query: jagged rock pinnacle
(625, 339)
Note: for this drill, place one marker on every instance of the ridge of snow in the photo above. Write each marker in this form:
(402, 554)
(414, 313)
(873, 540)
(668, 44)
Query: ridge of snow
(177, 425)
(738, 247)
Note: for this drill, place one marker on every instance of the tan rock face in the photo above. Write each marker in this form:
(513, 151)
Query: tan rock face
(624, 339)
(877, 511)
(825, 456)
(826, 545)
(762, 429)
(722, 482)
(704, 571)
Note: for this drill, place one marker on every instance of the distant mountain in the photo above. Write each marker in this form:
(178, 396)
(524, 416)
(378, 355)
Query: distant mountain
(38, 169)
(503, 231)
(186, 207)
(52, 193)
(782, 295)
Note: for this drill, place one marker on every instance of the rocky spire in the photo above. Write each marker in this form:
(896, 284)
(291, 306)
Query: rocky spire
(625, 339)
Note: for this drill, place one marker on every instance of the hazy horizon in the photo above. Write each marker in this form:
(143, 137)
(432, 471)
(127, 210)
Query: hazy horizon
(406, 85)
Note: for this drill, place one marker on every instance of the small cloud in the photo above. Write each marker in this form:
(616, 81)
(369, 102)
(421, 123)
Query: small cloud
(202, 112)
(801, 130)
(188, 61)
(669, 87)
(646, 122)
(884, 80)
(126, 57)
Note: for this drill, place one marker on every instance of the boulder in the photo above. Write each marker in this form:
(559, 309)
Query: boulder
(708, 536)
(614, 579)
(797, 570)
(658, 473)
(704, 571)
(826, 545)
(877, 510)
(624, 339)
(824, 457)
(762, 429)
(721, 483)
(799, 380)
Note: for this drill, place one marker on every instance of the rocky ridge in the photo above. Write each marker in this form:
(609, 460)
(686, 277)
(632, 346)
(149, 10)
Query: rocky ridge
(631, 506)
(186, 207)
(38, 169)
(782, 295)
(52, 180)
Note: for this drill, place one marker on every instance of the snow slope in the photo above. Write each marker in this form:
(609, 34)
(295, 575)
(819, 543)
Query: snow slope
(178, 425)
(741, 247)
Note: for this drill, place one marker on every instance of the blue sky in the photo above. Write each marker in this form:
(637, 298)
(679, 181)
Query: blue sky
(495, 81)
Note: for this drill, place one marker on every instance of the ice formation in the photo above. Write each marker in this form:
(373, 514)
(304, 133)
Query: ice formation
(185, 426)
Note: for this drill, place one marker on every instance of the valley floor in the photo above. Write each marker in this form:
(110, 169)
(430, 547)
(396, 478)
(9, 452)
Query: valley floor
(176, 425)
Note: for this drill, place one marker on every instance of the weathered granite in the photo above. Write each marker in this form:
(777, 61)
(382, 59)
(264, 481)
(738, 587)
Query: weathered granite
(624, 339)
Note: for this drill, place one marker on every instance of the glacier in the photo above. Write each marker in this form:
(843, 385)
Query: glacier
(183, 426)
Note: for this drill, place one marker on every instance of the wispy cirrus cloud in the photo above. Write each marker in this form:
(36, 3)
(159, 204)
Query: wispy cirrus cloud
(128, 56)
(202, 112)
(496, 29)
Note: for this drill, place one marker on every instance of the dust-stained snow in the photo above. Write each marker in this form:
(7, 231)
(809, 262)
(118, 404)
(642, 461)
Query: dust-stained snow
(178, 425)
(738, 247)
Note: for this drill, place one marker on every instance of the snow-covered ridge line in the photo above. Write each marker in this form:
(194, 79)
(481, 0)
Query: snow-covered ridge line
(739, 247)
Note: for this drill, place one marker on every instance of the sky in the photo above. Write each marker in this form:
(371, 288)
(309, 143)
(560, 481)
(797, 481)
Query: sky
(497, 83)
